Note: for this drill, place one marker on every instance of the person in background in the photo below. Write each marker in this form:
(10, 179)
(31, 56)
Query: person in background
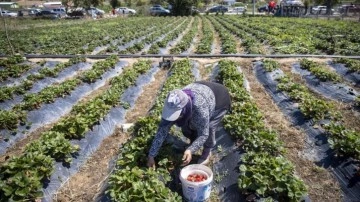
(113, 11)
(271, 6)
(198, 109)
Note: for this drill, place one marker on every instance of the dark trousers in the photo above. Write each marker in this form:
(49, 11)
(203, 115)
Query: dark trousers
(214, 122)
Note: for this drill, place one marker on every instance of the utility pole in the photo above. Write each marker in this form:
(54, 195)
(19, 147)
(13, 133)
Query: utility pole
(253, 7)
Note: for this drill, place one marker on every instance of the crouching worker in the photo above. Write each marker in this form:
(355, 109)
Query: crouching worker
(198, 109)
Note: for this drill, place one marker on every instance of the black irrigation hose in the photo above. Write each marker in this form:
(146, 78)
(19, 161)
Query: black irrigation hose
(190, 56)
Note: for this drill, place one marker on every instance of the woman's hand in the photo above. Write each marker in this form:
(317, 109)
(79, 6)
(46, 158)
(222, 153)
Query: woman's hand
(151, 162)
(186, 158)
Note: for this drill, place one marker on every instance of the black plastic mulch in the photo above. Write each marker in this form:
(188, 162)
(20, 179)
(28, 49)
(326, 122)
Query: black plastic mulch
(343, 169)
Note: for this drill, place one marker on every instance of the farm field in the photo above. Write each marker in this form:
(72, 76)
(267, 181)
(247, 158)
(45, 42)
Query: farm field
(292, 134)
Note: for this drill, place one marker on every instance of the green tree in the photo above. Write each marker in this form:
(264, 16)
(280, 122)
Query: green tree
(329, 4)
(129, 3)
(182, 7)
(87, 3)
(114, 3)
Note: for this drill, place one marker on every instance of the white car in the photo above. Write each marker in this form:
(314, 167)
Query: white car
(60, 11)
(320, 10)
(239, 10)
(93, 10)
(292, 3)
(125, 10)
(6, 13)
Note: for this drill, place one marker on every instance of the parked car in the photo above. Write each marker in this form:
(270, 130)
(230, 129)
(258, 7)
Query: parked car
(60, 11)
(239, 10)
(48, 14)
(77, 13)
(320, 10)
(7, 13)
(33, 12)
(218, 9)
(292, 3)
(96, 11)
(264, 8)
(349, 9)
(125, 10)
(194, 10)
(159, 11)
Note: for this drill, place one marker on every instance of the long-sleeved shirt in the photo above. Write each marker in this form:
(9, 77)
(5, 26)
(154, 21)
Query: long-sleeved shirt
(204, 104)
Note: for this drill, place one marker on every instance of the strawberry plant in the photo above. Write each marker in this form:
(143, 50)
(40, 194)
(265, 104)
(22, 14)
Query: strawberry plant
(132, 158)
(11, 60)
(14, 71)
(187, 39)
(10, 119)
(357, 101)
(154, 49)
(20, 177)
(137, 184)
(351, 64)
(228, 43)
(320, 72)
(269, 175)
(315, 108)
(53, 144)
(310, 106)
(264, 171)
(205, 44)
(9, 91)
(343, 140)
(270, 65)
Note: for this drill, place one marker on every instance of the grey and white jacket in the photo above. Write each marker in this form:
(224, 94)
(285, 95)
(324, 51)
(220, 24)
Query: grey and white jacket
(204, 103)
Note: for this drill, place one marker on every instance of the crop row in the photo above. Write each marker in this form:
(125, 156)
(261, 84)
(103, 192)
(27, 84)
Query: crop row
(345, 141)
(205, 43)
(132, 180)
(350, 64)
(155, 48)
(139, 34)
(306, 36)
(138, 46)
(187, 39)
(228, 42)
(264, 170)
(319, 70)
(10, 119)
(68, 39)
(125, 34)
(22, 177)
(13, 71)
(7, 92)
(301, 37)
(249, 42)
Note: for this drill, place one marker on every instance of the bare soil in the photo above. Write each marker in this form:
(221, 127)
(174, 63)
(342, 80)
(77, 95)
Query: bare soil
(217, 42)
(198, 37)
(86, 184)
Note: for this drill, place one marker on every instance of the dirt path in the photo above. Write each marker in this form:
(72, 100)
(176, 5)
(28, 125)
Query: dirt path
(321, 185)
(216, 42)
(239, 48)
(198, 36)
(86, 184)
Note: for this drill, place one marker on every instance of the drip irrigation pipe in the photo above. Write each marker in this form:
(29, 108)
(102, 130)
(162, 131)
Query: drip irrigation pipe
(190, 56)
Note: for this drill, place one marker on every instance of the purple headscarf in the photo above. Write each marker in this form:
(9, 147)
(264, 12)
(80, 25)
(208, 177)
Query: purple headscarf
(187, 110)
